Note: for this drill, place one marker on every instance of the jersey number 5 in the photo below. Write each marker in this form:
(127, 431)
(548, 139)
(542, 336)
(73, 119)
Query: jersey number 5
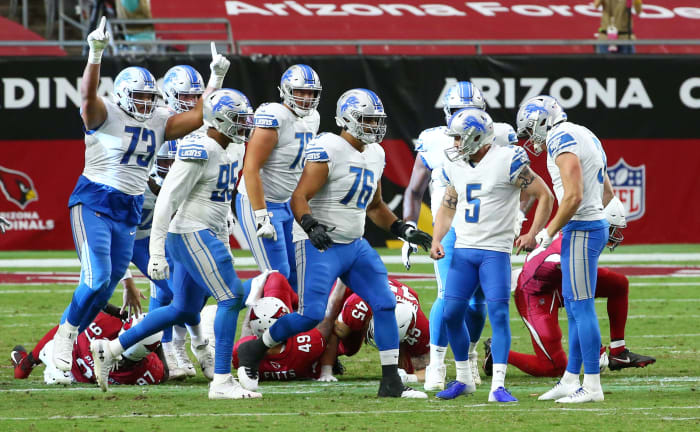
(367, 178)
(471, 215)
(227, 176)
(145, 135)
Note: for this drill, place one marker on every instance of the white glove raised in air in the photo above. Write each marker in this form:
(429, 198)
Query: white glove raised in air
(543, 238)
(97, 40)
(407, 249)
(158, 268)
(4, 224)
(219, 66)
(327, 374)
(264, 225)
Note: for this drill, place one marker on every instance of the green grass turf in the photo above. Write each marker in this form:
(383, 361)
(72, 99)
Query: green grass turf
(664, 318)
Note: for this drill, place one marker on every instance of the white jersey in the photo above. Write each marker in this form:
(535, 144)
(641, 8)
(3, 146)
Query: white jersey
(431, 145)
(352, 181)
(282, 170)
(487, 198)
(119, 153)
(572, 138)
(199, 186)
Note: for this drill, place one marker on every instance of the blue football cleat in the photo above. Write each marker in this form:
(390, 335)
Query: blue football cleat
(455, 389)
(502, 395)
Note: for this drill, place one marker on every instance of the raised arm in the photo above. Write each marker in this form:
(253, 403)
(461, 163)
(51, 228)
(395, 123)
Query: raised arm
(92, 109)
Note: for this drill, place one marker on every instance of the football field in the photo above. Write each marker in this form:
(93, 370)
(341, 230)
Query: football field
(663, 321)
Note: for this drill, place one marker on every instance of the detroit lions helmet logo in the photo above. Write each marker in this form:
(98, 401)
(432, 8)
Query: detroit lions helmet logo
(224, 101)
(17, 187)
(629, 183)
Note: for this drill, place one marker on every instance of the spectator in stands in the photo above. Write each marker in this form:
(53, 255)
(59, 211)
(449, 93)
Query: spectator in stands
(616, 23)
(136, 9)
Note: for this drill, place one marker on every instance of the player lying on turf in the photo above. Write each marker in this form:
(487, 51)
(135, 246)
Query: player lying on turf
(298, 357)
(538, 299)
(355, 325)
(142, 364)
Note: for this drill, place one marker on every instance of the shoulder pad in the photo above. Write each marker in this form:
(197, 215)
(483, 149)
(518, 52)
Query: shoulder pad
(268, 115)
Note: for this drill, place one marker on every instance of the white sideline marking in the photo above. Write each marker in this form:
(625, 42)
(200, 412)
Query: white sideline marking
(388, 259)
(479, 407)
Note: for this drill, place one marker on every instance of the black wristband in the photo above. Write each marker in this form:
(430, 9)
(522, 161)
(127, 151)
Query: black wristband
(397, 228)
(307, 222)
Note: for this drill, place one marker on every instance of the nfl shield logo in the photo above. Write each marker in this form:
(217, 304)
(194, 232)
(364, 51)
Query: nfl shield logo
(629, 183)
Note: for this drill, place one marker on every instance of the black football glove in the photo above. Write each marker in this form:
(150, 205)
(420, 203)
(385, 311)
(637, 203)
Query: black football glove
(410, 234)
(318, 233)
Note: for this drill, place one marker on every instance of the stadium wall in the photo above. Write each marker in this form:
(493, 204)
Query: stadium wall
(644, 109)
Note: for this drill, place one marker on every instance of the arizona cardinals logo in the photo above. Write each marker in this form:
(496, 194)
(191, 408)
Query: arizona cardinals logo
(17, 187)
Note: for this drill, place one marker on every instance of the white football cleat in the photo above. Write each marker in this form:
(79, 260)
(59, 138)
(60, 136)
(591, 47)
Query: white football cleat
(230, 389)
(474, 366)
(175, 372)
(248, 378)
(559, 391)
(183, 360)
(63, 342)
(104, 361)
(435, 377)
(409, 393)
(52, 375)
(583, 395)
(205, 357)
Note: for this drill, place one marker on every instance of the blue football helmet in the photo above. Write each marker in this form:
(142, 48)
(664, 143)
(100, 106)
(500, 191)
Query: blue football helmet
(536, 117)
(505, 134)
(229, 112)
(165, 157)
(474, 128)
(300, 77)
(182, 80)
(464, 94)
(361, 113)
(133, 80)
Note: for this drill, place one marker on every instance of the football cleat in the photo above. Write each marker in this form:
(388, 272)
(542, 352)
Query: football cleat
(582, 395)
(627, 359)
(411, 393)
(63, 347)
(175, 372)
(338, 368)
(52, 375)
(104, 361)
(559, 391)
(474, 365)
(205, 357)
(250, 354)
(435, 377)
(603, 362)
(488, 358)
(230, 389)
(501, 395)
(455, 389)
(22, 361)
(182, 359)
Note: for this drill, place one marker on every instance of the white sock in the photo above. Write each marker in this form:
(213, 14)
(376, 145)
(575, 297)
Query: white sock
(389, 357)
(464, 372)
(592, 382)
(617, 343)
(179, 333)
(499, 376)
(267, 339)
(220, 378)
(437, 355)
(116, 347)
(472, 349)
(197, 335)
(69, 328)
(569, 379)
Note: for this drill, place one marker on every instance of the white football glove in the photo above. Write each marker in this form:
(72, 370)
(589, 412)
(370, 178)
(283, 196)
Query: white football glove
(327, 374)
(219, 66)
(4, 224)
(407, 249)
(230, 222)
(97, 40)
(158, 268)
(543, 239)
(264, 225)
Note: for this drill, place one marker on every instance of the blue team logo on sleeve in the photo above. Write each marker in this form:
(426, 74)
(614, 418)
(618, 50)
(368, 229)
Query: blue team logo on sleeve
(265, 120)
(192, 152)
(518, 162)
(316, 154)
(560, 142)
(629, 183)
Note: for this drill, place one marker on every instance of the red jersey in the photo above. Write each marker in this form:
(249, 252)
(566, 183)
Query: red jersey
(277, 286)
(149, 370)
(356, 313)
(540, 275)
(298, 360)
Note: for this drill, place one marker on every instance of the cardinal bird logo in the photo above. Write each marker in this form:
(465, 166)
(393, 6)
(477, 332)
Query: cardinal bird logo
(18, 187)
